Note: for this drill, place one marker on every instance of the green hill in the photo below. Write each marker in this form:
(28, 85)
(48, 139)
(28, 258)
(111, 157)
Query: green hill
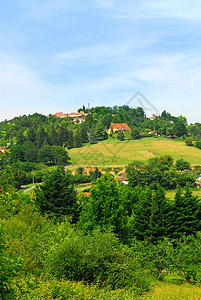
(123, 153)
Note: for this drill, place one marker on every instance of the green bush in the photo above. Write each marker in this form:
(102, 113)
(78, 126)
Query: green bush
(97, 258)
(31, 288)
(198, 144)
(181, 164)
(189, 141)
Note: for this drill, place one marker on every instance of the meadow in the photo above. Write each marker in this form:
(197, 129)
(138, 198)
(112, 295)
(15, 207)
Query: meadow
(115, 153)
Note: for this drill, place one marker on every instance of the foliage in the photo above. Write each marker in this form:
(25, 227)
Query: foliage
(148, 218)
(135, 133)
(120, 135)
(181, 164)
(187, 258)
(198, 144)
(189, 141)
(105, 207)
(53, 155)
(179, 129)
(92, 136)
(158, 258)
(100, 132)
(184, 216)
(9, 269)
(56, 196)
(48, 287)
(97, 258)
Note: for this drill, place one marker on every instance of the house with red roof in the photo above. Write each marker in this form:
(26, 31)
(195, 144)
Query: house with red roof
(115, 127)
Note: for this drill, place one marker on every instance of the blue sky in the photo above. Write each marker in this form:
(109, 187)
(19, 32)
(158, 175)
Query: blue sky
(58, 55)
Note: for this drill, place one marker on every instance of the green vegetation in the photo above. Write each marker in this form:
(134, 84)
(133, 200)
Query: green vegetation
(135, 241)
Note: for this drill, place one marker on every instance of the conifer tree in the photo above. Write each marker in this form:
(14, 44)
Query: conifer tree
(148, 221)
(56, 196)
(92, 136)
(184, 216)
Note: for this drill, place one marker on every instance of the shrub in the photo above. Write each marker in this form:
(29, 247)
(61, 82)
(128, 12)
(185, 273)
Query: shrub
(181, 164)
(97, 258)
(189, 141)
(30, 288)
(198, 144)
(120, 136)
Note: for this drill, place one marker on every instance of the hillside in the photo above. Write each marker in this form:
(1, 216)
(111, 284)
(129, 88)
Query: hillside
(123, 153)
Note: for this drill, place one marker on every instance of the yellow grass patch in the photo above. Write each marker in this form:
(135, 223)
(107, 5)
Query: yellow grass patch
(171, 194)
(169, 291)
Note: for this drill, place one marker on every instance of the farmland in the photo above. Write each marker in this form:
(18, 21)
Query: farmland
(122, 153)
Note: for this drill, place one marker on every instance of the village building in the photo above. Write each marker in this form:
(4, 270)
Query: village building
(115, 127)
(153, 132)
(171, 136)
(74, 115)
(79, 120)
(153, 117)
(122, 179)
(3, 149)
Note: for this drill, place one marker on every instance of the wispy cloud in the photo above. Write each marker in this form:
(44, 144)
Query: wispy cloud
(112, 52)
(184, 9)
(94, 52)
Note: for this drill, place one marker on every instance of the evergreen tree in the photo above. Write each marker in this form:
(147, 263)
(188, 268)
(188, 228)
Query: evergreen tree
(41, 137)
(184, 216)
(83, 133)
(92, 136)
(100, 132)
(148, 221)
(56, 196)
(179, 129)
(120, 136)
(77, 139)
(31, 134)
(53, 137)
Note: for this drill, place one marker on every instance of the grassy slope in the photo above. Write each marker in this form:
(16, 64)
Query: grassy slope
(122, 153)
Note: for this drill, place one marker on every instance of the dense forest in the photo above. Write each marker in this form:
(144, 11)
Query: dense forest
(113, 243)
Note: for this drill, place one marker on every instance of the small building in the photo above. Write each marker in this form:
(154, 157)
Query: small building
(153, 132)
(71, 115)
(198, 184)
(79, 120)
(153, 117)
(3, 149)
(171, 136)
(122, 179)
(199, 178)
(115, 127)
(58, 115)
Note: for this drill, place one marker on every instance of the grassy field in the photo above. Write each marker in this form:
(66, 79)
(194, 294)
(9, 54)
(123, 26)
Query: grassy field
(115, 153)
(170, 291)
(196, 192)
